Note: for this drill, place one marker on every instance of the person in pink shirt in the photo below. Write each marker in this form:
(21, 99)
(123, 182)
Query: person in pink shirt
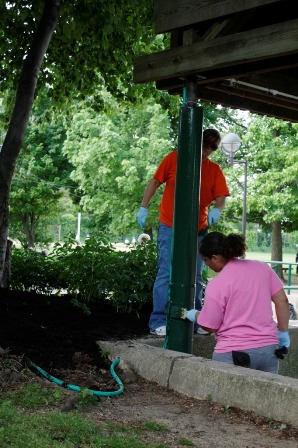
(238, 305)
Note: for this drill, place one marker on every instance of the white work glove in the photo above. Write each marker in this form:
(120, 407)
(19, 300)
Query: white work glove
(142, 216)
(191, 315)
(213, 216)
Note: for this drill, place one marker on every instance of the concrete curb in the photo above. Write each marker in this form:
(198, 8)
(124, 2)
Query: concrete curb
(268, 395)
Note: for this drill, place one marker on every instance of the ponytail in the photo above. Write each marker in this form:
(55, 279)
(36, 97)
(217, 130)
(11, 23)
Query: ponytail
(216, 243)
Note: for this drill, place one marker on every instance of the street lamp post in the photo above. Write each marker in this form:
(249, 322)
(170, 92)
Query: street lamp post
(78, 235)
(230, 144)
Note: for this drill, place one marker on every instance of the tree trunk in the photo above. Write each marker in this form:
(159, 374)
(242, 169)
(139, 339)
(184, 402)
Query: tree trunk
(5, 280)
(276, 251)
(21, 112)
(29, 221)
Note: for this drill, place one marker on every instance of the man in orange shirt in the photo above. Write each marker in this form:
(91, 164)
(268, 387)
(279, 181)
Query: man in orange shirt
(213, 190)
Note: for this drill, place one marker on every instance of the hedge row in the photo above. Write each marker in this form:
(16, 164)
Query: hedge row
(95, 271)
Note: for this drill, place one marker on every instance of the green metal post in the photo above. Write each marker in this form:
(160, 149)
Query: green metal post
(185, 224)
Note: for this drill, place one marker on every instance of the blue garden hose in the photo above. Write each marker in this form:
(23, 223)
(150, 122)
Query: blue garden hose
(49, 377)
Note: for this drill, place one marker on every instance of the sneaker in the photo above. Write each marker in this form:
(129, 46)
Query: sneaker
(201, 331)
(159, 331)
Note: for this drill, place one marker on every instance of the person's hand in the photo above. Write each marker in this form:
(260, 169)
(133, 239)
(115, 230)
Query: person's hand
(191, 315)
(141, 216)
(213, 216)
(284, 339)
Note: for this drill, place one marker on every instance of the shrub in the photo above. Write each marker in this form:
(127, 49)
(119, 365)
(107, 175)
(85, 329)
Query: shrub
(32, 271)
(92, 272)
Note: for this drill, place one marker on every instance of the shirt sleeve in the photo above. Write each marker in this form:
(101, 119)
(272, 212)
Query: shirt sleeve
(163, 170)
(276, 283)
(220, 185)
(212, 313)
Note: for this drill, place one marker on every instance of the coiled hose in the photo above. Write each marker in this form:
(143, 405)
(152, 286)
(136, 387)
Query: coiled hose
(61, 383)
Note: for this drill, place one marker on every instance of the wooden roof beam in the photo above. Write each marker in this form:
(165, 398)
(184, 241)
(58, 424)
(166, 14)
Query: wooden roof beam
(277, 40)
(174, 14)
(236, 101)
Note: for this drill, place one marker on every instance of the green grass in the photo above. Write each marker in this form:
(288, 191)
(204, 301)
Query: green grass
(266, 256)
(27, 420)
(33, 396)
(153, 426)
(185, 442)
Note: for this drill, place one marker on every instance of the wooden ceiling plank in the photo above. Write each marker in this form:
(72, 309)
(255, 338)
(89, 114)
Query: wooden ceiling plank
(270, 80)
(260, 67)
(275, 81)
(246, 93)
(243, 103)
(173, 14)
(254, 94)
(276, 40)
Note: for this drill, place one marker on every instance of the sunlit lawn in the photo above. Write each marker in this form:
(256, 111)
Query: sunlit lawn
(266, 256)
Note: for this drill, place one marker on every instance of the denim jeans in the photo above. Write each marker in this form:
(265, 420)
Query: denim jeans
(161, 284)
(261, 358)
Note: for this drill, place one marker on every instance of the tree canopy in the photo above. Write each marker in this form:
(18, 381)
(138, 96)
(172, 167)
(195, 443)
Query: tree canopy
(271, 148)
(41, 175)
(115, 154)
(90, 38)
(87, 38)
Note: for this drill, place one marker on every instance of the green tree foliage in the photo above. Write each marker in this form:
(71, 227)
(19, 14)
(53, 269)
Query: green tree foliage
(88, 38)
(272, 152)
(270, 147)
(22, 105)
(41, 175)
(115, 154)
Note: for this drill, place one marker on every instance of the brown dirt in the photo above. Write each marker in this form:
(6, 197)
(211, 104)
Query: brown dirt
(62, 340)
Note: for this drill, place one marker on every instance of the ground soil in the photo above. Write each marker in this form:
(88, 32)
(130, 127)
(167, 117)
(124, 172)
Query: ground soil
(60, 339)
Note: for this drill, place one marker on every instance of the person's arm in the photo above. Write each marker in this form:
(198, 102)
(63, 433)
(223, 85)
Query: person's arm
(281, 303)
(193, 316)
(220, 202)
(148, 195)
(214, 213)
(150, 192)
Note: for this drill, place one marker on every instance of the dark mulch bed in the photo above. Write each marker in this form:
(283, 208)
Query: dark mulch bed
(51, 332)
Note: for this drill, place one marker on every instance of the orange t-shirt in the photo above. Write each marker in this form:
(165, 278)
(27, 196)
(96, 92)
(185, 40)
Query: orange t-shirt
(213, 184)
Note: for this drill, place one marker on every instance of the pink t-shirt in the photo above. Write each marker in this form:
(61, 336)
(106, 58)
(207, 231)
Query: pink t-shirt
(238, 304)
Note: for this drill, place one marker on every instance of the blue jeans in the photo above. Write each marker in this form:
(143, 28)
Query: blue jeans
(161, 285)
(262, 358)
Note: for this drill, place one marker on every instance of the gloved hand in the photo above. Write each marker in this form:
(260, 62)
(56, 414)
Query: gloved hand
(141, 216)
(284, 339)
(191, 315)
(213, 216)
